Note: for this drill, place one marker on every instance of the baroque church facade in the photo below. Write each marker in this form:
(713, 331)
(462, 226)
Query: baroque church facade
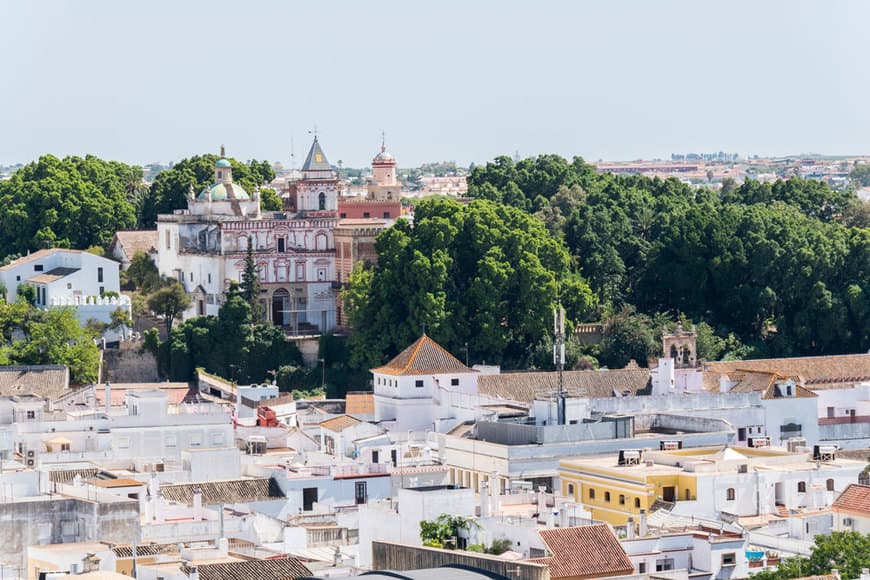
(205, 245)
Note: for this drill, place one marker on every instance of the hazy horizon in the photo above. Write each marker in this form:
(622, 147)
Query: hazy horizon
(161, 81)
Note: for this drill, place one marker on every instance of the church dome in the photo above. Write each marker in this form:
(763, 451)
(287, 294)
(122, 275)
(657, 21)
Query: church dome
(383, 157)
(225, 191)
(222, 163)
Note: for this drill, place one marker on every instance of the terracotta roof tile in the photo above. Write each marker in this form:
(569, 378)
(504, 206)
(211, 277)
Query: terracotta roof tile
(340, 423)
(276, 569)
(48, 381)
(816, 372)
(225, 491)
(423, 357)
(526, 387)
(584, 552)
(69, 475)
(359, 403)
(133, 241)
(38, 255)
(855, 498)
(126, 551)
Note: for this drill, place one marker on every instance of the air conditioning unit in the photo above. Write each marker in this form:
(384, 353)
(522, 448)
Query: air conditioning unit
(629, 457)
(794, 443)
(759, 442)
(824, 452)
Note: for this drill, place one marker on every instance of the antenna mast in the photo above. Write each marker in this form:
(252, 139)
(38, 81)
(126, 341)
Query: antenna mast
(559, 356)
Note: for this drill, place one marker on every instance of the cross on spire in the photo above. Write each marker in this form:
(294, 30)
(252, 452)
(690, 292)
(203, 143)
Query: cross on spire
(314, 131)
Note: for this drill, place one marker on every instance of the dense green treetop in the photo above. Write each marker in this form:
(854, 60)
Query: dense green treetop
(72, 202)
(784, 266)
(483, 274)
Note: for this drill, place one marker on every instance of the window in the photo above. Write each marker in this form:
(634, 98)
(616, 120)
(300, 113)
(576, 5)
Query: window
(69, 285)
(99, 274)
(607, 496)
(591, 493)
(570, 489)
(829, 485)
(454, 382)
(621, 499)
(802, 486)
(37, 268)
(418, 384)
(637, 503)
(664, 564)
(730, 494)
(102, 290)
(366, 214)
(168, 240)
(386, 215)
(321, 201)
(641, 568)
(281, 245)
(209, 277)
(64, 446)
(741, 433)
(220, 174)
(31, 414)
(343, 215)
(729, 559)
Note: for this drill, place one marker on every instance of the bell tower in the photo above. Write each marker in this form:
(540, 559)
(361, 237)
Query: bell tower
(680, 345)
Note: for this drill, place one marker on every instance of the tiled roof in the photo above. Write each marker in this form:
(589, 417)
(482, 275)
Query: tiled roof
(47, 381)
(316, 160)
(69, 475)
(583, 552)
(119, 482)
(855, 498)
(340, 423)
(359, 403)
(816, 372)
(225, 491)
(37, 256)
(136, 241)
(52, 275)
(126, 551)
(423, 357)
(176, 393)
(770, 383)
(276, 569)
(526, 387)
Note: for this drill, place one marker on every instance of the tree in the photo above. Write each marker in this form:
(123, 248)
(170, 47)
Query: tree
(72, 202)
(250, 286)
(860, 175)
(444, 527)
(847, 552)
(143, 274)
(629, 336)
(269, 200)
(170, 303)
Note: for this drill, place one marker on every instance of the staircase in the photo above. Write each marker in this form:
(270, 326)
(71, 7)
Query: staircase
(782, 511)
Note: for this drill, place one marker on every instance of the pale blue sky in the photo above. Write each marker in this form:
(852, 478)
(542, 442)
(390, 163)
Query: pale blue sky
(458, 80)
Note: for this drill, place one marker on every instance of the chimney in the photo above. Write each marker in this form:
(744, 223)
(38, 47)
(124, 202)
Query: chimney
(642, 525)
(197, 504)
(629, 528)
(108, 396)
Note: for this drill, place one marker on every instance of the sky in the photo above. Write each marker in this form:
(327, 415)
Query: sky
(445, 80)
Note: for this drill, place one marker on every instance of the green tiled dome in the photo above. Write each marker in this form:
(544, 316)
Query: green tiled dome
(222, 163)
(224, 191)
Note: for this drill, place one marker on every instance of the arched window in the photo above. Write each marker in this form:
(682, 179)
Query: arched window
(591, 493)
(637, 503)
(570, 489)
(829, 485)
(674, 353)
(321, 201)
(802, 486)
(730, 494)
(607, 496)
(621, 499)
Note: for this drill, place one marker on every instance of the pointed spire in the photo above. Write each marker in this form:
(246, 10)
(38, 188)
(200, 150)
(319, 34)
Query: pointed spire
(316, 160)
(223, 153)
(383, 141)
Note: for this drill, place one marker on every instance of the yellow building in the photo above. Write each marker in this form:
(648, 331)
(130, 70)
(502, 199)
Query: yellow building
(742, 481)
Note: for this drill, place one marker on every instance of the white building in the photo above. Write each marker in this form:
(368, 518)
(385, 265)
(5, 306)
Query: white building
(852, 509)
(68, 278)
(415, 390)
(204, 246)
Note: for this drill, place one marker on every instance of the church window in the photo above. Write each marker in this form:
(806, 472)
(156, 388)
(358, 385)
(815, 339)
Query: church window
(321, 201)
